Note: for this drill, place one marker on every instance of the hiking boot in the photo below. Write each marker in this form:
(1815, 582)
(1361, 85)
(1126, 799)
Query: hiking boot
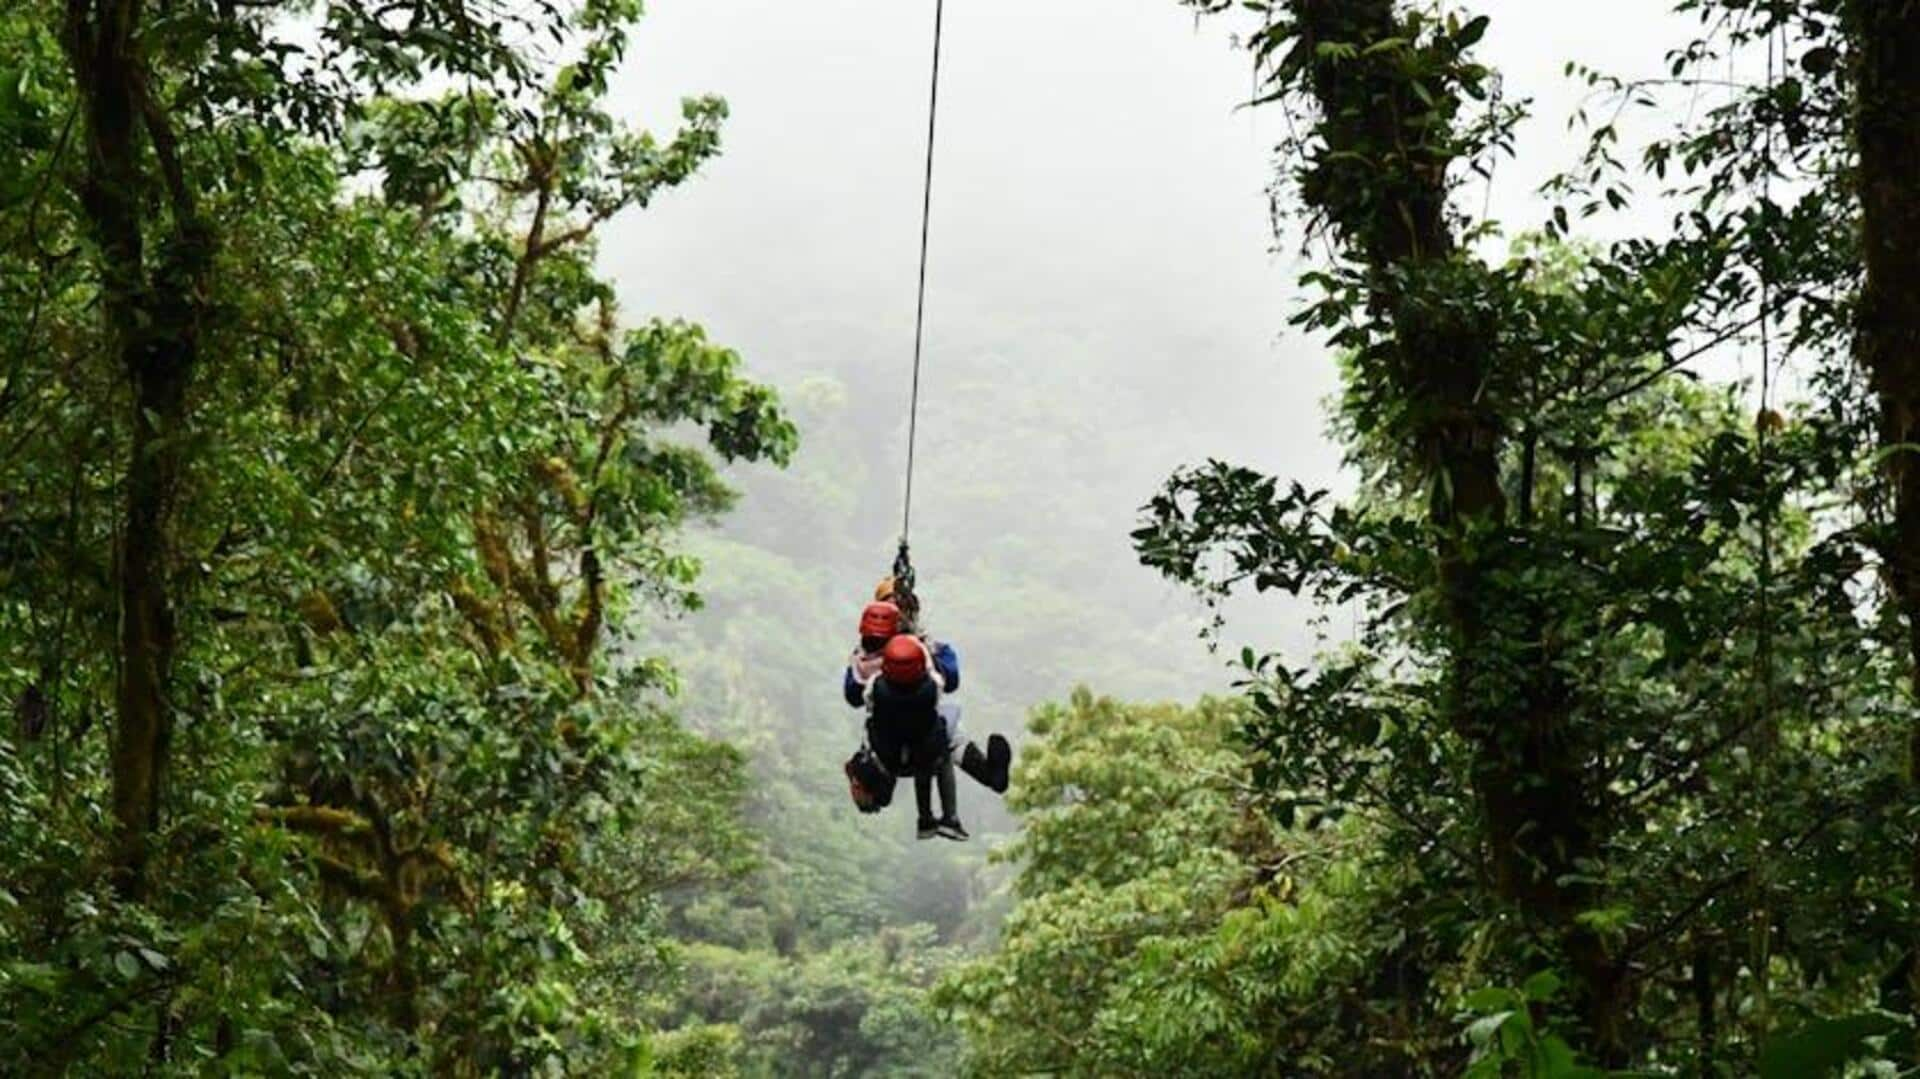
(929, 828)
(949, 828)
(988, 769)
(999, 762)
(974, 764)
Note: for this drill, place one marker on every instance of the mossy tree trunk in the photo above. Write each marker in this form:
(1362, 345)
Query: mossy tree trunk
(1886, 39)
(151, 267)
(1380, 181)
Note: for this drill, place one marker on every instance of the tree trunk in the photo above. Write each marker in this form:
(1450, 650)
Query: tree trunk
(1886, 39)
(1380, 183)
(153, 314)
(145, 720)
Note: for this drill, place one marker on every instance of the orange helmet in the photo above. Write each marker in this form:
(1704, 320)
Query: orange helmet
(904, 661)
(880, 619)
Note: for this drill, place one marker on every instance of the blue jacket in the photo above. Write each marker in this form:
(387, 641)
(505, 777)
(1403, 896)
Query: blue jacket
(945, 660)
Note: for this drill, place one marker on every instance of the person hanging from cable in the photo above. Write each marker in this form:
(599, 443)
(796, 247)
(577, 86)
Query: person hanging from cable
(892, 616)
(990, 767)
(890, 633)
(906, 736)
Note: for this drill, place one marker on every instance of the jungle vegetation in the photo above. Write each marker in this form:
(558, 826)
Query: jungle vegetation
(416, 664)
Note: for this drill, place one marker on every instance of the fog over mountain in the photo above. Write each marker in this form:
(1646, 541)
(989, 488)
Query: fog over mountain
(1101, 211)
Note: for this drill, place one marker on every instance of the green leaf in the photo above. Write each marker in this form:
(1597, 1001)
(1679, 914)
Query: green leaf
(1542, 986)
(43, 978)
(1470, 34)
(1488, 999)
(127, 965)
(1484, 1030)
(1824, 1046)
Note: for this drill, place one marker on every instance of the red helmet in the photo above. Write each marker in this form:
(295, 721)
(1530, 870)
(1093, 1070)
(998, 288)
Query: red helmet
(904, 661)
(879, 620)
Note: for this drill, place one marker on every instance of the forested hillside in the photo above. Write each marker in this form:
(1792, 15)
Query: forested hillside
(848, 916)
(333, 477)
(1616, 773)
(422, 644)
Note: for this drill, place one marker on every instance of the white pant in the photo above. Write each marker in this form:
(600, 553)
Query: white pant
(950, 716)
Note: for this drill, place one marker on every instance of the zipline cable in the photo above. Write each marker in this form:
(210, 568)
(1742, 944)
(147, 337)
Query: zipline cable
(1760, 882)
(920, 305)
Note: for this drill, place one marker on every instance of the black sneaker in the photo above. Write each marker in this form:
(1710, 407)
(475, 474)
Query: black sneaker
(949, 828)
(929, 828)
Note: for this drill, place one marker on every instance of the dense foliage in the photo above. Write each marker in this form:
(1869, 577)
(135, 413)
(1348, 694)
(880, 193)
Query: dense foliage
(1625, 722)
(383, 700)
(818, 962)
(335, 513)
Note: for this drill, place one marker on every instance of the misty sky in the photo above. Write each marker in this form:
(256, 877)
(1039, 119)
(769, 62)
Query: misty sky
(1094, 176)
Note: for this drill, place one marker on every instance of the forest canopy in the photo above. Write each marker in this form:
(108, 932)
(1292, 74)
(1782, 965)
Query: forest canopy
(416, 662)
(333, 476)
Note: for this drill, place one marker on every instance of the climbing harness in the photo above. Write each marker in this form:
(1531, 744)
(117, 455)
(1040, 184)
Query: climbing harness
(902, 562)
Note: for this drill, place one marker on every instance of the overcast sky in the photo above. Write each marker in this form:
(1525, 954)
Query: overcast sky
(1094, 176)
(1092, 168)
